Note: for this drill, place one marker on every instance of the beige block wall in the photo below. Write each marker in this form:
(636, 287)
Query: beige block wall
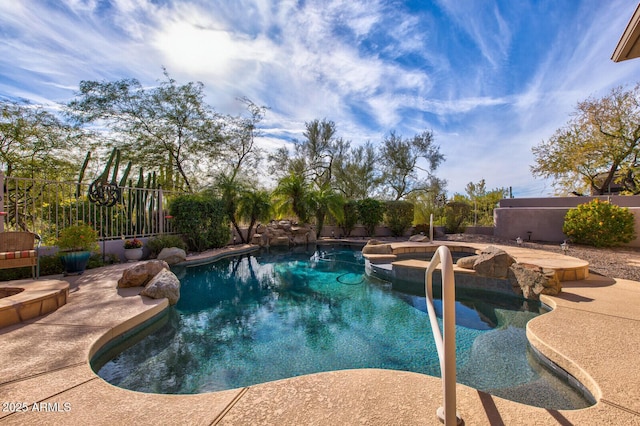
(545, 223)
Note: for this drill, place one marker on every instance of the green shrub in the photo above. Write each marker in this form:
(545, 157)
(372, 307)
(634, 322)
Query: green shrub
(51, 265)
(398, 216)
(202, 220)
(600, 224)
(370, 213)
(15, 273)
(156, 244)
(455, 213)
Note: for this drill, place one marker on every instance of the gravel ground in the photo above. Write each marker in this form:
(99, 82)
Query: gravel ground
(616, 262)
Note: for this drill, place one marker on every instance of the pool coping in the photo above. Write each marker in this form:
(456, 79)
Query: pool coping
(31, 299)
(46, 361)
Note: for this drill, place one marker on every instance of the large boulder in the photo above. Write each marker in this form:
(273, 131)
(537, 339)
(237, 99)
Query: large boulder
(531, 281)
(279, 241)
(140, 274)
(164, 284)
(172, 255)
(376, 247)
(419, 238)
(493, 262)
(467, 262)
(283, 233)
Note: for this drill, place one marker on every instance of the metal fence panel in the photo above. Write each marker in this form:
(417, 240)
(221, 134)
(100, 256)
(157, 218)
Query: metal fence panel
(46, 207)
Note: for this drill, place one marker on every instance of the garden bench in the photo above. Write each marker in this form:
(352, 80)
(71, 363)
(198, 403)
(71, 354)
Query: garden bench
(19, 249)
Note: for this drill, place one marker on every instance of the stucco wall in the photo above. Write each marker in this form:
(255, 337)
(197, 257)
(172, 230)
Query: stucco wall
(544, 217)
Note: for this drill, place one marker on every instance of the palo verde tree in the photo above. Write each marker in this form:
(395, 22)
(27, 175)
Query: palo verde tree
(152, 124)
(239, 154)
(599, 146)
(312, 158)
(399, 159)
(36, 143)
(356, 177)
(483, 201)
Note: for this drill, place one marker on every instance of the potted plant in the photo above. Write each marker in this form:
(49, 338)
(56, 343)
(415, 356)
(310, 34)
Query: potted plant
(133, 249)
(76, 244)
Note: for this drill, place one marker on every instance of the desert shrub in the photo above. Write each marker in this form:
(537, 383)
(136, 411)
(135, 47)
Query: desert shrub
(202, 220)
(455, 213)
(156, 244)
(370, 213)
(600, 224)
(398, 216)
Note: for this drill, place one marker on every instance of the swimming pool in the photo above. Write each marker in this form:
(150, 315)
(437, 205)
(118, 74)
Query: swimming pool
(273, 315)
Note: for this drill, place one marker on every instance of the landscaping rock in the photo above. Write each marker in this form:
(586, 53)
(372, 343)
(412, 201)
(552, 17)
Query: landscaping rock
(419, 238)
(376, 247)
(283, 233)
(493, 262)
(279, 241)
(531, 281)
(164, 284)
(140, 274)
(172, 255)
(467, 262)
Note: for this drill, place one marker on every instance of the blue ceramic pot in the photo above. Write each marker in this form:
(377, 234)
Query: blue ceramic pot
(75, 262)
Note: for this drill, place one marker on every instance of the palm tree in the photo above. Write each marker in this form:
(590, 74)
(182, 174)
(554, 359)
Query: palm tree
(254, 205)
(230, 191)
(326, 201)
(292, 195)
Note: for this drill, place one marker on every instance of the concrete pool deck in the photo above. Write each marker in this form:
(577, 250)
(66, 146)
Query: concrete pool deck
(45, 378)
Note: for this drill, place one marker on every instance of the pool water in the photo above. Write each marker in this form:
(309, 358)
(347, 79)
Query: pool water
(274, 315)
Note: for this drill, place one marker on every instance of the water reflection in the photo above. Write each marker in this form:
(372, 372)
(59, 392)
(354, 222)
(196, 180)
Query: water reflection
(253, 319)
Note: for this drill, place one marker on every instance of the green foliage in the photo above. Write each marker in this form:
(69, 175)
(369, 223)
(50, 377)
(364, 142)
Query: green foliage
(202, 220)
(349, 217)
(455, 213)
(36, 144)
(78, 238)
(325, 201)
(597, 147)
(165, 122)
(427, 203)
(398, 216)
(354, 170)
(600, 224)
(400, 164)
(293, 196)
(371, 213)
(156, 244)
(482, 202)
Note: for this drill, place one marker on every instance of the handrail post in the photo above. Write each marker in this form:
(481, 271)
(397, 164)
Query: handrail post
(446, 346)
(431, 228)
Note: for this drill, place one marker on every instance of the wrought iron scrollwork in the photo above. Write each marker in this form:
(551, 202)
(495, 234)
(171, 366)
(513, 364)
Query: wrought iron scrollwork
(104, 193)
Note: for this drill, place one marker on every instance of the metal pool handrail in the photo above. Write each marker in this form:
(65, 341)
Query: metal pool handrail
(446, 346)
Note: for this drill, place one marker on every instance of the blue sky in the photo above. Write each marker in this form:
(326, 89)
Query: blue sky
(491, 79)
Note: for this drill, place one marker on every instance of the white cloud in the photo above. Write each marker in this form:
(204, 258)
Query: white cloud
(370, 66)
